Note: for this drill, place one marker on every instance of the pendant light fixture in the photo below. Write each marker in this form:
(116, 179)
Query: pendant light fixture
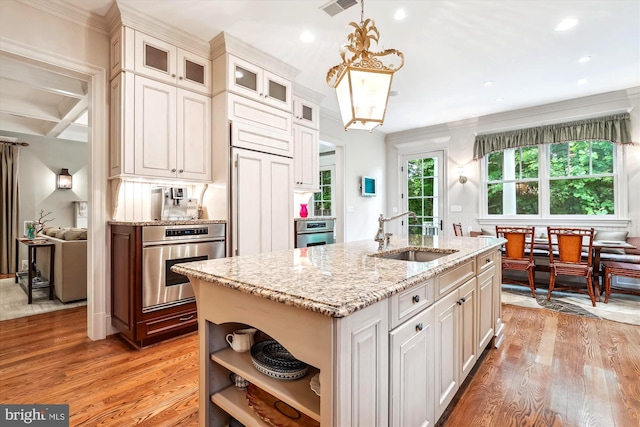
(363, 79)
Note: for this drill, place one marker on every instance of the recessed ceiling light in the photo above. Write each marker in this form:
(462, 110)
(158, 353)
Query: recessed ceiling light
(488, 83)
(582, 81)
(584, 59)
(307, 37)
(499, 99)
(400, 15)
(566, 24)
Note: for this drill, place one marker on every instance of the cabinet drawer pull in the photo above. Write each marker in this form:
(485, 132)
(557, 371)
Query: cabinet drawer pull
(416, 298)
(418, 327)
(173, 170)
(488, 260)
(184, 319)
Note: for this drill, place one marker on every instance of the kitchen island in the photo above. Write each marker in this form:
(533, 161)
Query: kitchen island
(377, 330)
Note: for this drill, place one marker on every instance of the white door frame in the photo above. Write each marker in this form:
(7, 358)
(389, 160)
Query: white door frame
(98, 249)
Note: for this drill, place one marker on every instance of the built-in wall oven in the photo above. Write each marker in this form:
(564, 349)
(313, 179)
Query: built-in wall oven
(166, 245)
(314, 232)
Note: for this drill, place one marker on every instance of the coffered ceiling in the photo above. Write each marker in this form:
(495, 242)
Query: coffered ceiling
(451, 48)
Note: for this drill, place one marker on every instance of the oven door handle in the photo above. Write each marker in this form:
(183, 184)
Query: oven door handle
(181, 242)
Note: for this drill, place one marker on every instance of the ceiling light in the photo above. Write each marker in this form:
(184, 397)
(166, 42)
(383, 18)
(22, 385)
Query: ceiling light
(488, 83)
(400, 15)
(307, 37)
(582, 81)
(566, 24)
(584, 59)
(363, 81)
(499, 99)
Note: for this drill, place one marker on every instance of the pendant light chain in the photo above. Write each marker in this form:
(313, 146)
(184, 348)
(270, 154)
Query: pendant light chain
(362, 12)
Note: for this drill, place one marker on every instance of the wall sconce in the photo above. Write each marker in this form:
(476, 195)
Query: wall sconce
(462, 178)
(65, 180)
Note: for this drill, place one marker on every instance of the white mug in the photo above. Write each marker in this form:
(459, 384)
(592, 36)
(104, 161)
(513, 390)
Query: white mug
(241, 340)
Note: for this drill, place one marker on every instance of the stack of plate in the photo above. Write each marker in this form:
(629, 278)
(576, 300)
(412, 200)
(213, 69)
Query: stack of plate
(272, 359)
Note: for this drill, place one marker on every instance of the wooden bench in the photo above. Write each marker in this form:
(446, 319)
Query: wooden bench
(613, 268)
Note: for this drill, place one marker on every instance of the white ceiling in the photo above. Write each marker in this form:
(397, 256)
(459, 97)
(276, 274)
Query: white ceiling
(451, 47)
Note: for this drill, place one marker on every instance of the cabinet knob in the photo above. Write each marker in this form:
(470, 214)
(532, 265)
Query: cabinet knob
(180, 78)
(416, 298)
(488, 260)
(418, 327)
(181, 170)
(173, 170)
(173, 75)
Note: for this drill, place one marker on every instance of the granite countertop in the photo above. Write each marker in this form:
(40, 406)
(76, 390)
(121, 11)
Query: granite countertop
(334, 280)
(171, 222)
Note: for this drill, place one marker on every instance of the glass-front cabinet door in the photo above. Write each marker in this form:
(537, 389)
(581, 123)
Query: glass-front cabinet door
(254, 82)
(155, 58)
(194, 72)
(305, 113)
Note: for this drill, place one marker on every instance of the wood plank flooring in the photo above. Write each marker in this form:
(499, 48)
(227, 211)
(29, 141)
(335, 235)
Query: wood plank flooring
(552, 370)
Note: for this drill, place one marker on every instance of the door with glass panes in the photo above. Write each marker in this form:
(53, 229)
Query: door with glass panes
(422, 176)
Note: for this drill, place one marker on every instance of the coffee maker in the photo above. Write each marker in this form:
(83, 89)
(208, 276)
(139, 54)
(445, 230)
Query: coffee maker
(169, 203)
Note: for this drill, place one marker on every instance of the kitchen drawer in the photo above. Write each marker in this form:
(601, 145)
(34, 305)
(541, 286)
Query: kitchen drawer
(486, 260)
(410, 301)
(451, 279)
(165, 324)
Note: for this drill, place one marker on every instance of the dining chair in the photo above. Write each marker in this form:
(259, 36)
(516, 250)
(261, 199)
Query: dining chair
(565, 257)
(518, 253)
(457, 228)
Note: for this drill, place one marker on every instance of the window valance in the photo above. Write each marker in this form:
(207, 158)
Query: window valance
(615, 128)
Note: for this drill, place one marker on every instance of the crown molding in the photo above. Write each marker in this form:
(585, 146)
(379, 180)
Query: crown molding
(70, 13)
(226, 43)
(130, 17)
(308, 94)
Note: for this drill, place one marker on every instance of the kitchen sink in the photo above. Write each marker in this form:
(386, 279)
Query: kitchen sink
(412, 254)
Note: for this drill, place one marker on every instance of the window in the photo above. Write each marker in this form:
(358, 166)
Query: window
(571, 178)
(322, 200)
(423, 183)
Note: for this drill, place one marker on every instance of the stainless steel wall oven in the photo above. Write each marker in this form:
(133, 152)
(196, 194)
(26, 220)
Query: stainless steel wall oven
(166, 245)
(314, 233)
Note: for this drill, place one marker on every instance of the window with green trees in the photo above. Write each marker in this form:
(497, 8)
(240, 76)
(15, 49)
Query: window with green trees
(576, 178)
(422, 193)
(322, 199)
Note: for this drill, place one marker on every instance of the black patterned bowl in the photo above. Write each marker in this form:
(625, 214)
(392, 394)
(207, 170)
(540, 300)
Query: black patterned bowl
(272, 359)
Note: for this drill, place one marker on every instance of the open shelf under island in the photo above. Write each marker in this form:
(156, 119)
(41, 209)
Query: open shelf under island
(375, 329)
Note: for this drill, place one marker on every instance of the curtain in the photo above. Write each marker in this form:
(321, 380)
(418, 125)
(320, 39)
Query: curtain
(616, 128)
(8, 207)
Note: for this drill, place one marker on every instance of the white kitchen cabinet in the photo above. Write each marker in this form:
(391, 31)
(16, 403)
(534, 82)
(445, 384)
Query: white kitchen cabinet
(306, 158)
(306, 113)
(258, 127)
(486, 297)
(362, 388)
(456, 342)
(252, 81)
(412, 370)
(158, 130)
(166, 62)
(262, 206)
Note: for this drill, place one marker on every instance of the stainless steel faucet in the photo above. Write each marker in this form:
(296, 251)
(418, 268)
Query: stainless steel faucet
(383, 238)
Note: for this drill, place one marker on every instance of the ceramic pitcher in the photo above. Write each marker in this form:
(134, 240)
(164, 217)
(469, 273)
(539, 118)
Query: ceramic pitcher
(242, 339)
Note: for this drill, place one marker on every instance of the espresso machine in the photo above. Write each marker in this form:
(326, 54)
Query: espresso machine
(170, 203)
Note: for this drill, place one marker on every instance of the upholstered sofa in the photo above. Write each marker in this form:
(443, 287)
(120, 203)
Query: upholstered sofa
(70, 262)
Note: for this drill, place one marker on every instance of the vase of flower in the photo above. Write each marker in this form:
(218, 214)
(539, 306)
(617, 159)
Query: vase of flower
(303, 210)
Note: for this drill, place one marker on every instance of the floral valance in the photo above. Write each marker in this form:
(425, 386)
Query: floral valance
(616, 128)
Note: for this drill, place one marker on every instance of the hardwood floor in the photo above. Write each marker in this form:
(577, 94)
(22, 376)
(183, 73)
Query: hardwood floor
(552, 370)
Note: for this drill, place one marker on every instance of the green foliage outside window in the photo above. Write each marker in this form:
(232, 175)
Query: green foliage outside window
(322, 199)
(580, 179)
(421, 192)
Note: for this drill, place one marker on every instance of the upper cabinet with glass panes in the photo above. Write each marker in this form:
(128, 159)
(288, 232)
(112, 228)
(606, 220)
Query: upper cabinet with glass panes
(305, 113)
(252, 81)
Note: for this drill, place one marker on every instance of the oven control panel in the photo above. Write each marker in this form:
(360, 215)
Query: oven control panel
(179, 232)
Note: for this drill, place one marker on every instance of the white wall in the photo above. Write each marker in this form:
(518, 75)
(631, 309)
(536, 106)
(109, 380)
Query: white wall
(39, 165)
(364, 154)
(458, 139)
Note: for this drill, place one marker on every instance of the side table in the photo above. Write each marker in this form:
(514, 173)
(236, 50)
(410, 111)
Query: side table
(32, 246)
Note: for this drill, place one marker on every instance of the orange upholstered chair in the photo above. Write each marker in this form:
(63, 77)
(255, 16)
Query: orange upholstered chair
(565, 257)
(457, 228)
(519, 240)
